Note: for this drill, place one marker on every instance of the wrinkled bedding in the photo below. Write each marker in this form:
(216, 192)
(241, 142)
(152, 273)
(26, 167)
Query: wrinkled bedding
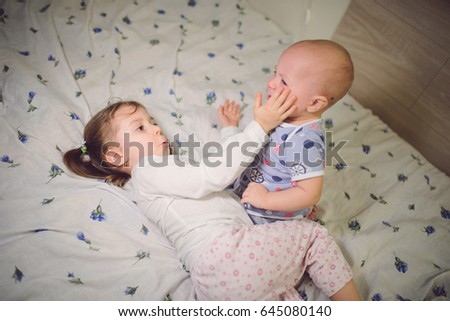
(63, 237)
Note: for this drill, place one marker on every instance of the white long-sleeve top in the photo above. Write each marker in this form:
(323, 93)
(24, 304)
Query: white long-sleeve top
(186, 199)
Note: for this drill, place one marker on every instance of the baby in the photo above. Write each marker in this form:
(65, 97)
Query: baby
(285, 180)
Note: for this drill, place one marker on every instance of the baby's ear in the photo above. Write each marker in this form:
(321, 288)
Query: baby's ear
(318, 103)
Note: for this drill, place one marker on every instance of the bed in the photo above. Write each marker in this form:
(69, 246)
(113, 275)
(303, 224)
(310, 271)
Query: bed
(63, 237)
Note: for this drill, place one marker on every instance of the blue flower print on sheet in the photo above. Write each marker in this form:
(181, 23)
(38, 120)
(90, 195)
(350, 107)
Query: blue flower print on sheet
(44, 8)
(22, 137)
(178, 117)
(303, 294)
(144, 230)
(176, 72)
(3, 16)
(440, 291)
(379, 199)
(347, 195)
(124, 37)
(130, 290)
(41, 79)
(400, 265)
(328, 123)
(79, 74)
(73, 116)
(97, 214)
(18, 275)
(126, 20)
(340, 166)
(266, 70)
(82, 237)
(377, 297)
(366, 149)
(55, 170)
(154, 42)
(394, 228)
(73, 279)
(211, 98)
(119, 56)
(445, 213)
(53, 59)
(402, 178)
(142, 255)
(31, 107)
(9, 161)
(69, 21)
(372, 175)
(354, 225)
(46, 201)
(417, 159)
(113, 75)
(429, 229)
(427, 179)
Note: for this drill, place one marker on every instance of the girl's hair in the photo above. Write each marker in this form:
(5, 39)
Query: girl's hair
(88, 160)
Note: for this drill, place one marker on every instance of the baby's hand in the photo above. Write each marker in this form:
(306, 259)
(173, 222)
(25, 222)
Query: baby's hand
(229, 114)
(280, 106)
(255, 195)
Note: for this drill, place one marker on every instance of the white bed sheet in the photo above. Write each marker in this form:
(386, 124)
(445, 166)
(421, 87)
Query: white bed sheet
(67, 238)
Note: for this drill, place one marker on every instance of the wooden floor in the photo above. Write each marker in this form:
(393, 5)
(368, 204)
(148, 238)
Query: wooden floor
(401, 52)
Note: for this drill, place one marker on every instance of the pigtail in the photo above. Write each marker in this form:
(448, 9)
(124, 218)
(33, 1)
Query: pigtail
(78, 163)
(83, 165)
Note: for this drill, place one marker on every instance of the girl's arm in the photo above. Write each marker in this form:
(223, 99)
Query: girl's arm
(171, 176)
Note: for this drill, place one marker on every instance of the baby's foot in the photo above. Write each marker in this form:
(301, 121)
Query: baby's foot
(229, 114)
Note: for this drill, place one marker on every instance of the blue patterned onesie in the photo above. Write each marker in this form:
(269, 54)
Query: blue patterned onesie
(294, 153)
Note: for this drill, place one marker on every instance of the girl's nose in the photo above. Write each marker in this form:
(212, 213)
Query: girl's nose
(157, 130)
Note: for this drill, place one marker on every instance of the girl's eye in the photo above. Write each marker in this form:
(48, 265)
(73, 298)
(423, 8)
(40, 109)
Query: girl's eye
(140, 127)
(283, 82)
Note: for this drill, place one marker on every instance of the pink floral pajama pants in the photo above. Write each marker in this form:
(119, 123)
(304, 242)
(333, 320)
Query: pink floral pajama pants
(266, 261)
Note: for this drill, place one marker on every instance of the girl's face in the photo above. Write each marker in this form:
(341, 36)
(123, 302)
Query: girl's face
(137, 135)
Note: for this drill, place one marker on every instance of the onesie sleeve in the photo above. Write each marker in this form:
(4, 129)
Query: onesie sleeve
(170, 176)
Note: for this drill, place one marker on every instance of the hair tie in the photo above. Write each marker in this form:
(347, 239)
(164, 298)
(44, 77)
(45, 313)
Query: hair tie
(83, 147)
(85, 156)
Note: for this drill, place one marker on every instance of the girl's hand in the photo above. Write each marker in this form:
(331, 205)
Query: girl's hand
(255, 194)
(280, 106)
(229, 114)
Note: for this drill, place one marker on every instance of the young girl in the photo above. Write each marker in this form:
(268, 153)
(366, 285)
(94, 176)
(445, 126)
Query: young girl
(227, 256)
